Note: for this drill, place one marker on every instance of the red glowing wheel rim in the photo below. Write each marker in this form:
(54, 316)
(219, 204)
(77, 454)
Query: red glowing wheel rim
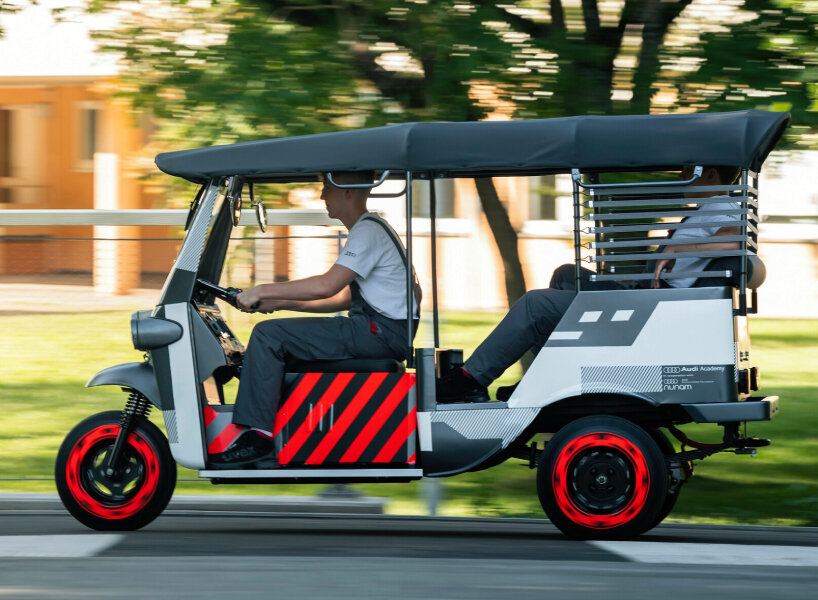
(601, 480)
(128, 490)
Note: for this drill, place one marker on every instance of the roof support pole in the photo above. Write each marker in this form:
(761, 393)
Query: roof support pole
(747, 215)
(410, 321)
(433, 215)
(575, 177)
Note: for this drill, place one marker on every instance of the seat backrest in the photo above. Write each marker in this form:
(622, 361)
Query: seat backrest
(756, 272)
(348, 365)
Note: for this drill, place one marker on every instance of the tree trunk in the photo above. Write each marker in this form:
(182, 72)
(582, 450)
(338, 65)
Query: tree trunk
(504, 236)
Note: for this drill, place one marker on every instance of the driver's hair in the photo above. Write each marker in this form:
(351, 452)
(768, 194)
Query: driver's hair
(352, 177)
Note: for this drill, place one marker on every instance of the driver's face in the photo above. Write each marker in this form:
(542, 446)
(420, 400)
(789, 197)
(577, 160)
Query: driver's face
(332, 197)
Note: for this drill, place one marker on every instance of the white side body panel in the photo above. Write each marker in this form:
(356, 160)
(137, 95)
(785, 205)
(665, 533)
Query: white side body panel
(188, 446)
(680, 332)
(184, 422)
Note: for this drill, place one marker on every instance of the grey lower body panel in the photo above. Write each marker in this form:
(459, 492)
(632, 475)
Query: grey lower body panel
(467, 436)
(752, 409)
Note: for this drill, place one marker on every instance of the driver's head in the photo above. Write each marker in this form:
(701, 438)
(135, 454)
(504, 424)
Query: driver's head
(351, 177)
(341, 200)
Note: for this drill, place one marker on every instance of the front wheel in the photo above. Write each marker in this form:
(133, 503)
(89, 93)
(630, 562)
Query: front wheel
(602, 477)
(137, 492)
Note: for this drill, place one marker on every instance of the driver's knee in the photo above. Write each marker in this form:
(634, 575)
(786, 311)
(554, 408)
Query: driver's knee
(564, 277)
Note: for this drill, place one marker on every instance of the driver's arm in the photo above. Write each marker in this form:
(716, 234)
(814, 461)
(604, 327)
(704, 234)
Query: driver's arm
(300, 294)
(340, 301)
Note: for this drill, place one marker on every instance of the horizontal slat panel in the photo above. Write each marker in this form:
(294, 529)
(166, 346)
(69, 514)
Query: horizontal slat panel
(665, 226)
(663, 190)
(658, 255)
(669, 202)
(659, 241)
(624, 216)
(671, 275)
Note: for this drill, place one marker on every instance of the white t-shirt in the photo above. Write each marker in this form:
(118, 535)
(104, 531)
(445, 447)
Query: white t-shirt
(698, 263)
(371, 253)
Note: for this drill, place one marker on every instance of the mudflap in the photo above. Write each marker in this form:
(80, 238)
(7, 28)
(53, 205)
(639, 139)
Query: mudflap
(137, 375)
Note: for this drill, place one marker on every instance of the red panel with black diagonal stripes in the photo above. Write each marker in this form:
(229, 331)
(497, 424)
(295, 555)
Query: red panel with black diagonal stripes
(348, 419)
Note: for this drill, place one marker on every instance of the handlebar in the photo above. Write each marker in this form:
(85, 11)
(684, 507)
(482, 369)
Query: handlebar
(227, 294)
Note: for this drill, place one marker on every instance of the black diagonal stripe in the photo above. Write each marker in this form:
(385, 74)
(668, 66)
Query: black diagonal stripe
(385, 432)
(301, 413)
(363, 418)
(340, 404)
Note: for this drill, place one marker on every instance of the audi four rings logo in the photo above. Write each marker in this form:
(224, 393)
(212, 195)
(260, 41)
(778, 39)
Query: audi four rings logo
(672, 370)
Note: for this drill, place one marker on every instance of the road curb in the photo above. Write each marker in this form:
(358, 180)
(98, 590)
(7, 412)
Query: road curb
(271, 504)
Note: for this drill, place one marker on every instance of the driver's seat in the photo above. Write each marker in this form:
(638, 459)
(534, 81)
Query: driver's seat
(347, 365)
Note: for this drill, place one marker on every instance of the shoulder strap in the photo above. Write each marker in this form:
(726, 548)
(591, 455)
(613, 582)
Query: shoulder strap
(418, 293)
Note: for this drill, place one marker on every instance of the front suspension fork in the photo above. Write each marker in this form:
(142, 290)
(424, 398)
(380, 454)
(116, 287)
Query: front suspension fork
(136, 407)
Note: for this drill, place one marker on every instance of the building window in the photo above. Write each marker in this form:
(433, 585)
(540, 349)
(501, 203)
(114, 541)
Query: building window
(88, 129)
(5, 143)
(444, 199)
(88, 133)
(542, 198)
(5, 155)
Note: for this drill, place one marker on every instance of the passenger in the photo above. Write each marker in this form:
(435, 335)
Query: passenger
(534, 316)
(368, 279)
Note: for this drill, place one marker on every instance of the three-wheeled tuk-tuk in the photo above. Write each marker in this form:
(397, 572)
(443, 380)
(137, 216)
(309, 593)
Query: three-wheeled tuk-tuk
(622, 367)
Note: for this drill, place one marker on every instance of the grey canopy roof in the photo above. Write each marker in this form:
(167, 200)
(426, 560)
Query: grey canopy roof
(740, 139)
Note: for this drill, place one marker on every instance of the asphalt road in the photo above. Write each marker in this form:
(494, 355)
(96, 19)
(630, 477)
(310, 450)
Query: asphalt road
(196, 554)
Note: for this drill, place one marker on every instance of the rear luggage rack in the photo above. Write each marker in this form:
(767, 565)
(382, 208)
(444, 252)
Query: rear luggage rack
(621, 217)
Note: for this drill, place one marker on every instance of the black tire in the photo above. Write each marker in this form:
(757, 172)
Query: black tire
(602, 477)
(666, 447)
(136, 495)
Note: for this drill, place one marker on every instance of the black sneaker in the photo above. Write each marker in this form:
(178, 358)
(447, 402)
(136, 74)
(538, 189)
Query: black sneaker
(504, 392)
(456, 386)
(249, 447)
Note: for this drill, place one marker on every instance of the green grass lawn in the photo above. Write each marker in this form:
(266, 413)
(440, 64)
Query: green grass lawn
(47, 358)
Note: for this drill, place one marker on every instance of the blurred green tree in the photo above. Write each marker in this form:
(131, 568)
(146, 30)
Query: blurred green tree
(9, 8)
(219, 71)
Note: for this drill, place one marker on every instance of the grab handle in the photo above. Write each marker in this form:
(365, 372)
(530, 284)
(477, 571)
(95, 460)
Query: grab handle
(575, 175)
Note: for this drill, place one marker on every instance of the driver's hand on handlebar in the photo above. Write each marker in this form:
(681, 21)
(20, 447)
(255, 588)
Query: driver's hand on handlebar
(250, 301)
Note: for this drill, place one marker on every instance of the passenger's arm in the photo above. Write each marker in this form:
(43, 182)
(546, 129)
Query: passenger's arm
(666, 264)
(318, 287)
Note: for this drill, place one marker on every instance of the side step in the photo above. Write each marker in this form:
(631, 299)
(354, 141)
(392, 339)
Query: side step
(288, 475)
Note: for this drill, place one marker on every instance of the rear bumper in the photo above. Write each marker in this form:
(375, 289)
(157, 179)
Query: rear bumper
(756, 408)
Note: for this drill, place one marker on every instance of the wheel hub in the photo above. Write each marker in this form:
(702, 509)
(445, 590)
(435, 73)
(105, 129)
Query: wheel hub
(110, 487)
(601, 481)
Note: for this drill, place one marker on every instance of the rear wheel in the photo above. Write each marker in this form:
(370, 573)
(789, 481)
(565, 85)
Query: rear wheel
(136, 493)
(602, 477)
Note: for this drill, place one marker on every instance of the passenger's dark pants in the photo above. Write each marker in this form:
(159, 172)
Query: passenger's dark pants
(565, 278)
(276, 341)
(529, 323)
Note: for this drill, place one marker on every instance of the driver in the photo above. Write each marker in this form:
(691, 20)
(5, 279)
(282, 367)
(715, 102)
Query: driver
(533, 317)
(368, 279)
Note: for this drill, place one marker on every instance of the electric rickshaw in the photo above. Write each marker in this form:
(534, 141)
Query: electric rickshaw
(623, 369)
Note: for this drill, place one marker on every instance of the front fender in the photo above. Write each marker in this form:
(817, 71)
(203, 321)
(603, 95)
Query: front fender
(138, 376)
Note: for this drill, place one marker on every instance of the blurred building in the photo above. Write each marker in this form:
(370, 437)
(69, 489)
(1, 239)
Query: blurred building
(66, 142)
(57, 112)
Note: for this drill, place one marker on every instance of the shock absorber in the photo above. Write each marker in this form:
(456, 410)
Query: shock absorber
(137, 407)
